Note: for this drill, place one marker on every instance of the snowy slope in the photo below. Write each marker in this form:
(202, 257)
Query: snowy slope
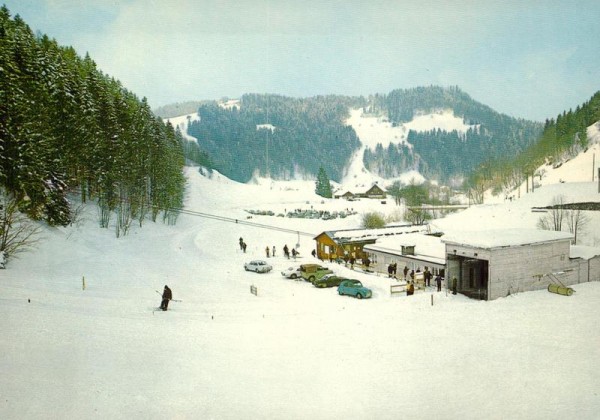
(374, 130)
(291, 352)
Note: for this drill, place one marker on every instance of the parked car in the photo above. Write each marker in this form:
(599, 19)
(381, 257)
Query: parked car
(312, 272)
(354, 288)
(292, 273)
(258, 266)
(329, 280)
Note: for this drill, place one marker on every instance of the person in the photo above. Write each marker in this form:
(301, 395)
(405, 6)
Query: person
(412, 275)
(244, 247)
(166, 297)
(314, 253)
(294, 253)
(267, 250)
(427, 276)
(410, 288)
(286, 251)
(438, 281)
(405, 271)
(273, 253)
(454, 285)
(390, 270)
(367, 262)
(394, 269)
(241, 243)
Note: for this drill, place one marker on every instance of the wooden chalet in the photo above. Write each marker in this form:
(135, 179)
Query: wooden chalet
(375, 192)
(349, 243)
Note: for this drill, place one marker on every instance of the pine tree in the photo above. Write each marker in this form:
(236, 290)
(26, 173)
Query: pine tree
(323, 187)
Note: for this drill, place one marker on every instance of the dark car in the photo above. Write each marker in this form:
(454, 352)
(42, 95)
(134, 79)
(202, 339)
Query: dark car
(329, 280)
(354, 288)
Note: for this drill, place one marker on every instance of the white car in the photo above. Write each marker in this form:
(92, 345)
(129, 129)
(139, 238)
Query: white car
(291, 273)
(258, 266)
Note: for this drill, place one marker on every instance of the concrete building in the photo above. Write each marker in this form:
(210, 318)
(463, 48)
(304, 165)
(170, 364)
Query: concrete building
(497, 263)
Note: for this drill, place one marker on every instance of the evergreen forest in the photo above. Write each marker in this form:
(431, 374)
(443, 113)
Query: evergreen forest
(67, 128)
(279, 136)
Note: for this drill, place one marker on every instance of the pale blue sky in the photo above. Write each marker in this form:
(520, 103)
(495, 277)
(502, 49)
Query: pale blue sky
(528, 59)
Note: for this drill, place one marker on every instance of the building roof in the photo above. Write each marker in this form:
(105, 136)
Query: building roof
(504, 237)
(359, 235)
(584, 252)
(427, 247)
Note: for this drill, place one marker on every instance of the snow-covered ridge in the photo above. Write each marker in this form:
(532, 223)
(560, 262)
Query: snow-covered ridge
(182, 122)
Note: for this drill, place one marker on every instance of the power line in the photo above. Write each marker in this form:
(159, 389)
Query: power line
(241, 222)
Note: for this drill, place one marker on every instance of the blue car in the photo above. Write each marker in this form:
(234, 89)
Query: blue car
(354, 288)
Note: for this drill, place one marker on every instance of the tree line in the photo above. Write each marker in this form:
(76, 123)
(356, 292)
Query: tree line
(67, 128)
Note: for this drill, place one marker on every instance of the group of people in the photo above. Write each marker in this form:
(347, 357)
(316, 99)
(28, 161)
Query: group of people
(409, 277)
(271, 251)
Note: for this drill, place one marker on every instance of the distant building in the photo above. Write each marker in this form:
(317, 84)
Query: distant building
(375, 192)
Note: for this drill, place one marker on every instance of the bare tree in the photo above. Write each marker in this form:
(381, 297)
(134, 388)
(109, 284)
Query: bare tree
(576, 220)
(553, 220)
(17, 232)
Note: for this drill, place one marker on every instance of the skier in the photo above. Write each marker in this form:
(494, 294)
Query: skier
(166, 297)
(241, 243)
(286, 251)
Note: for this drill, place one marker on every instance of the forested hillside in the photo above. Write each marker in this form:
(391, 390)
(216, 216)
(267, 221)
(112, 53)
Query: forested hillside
(65, 127)
(440, 154)
(306, 134)
(562, 138)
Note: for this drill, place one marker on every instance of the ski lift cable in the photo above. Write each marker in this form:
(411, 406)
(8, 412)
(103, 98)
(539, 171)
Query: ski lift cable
(231, 220)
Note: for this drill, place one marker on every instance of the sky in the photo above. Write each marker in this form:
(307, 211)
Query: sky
(528, 59)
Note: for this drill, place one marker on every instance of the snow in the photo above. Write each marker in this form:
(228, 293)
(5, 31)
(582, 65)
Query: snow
(183, 122)
(292, 351)
(373, 130)
(496, 238)
(430, 247)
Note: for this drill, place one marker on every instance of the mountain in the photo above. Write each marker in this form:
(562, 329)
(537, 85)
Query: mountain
(439, 150)
(293, 137)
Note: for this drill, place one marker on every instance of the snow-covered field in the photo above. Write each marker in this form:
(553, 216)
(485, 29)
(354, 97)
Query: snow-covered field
(293, 351)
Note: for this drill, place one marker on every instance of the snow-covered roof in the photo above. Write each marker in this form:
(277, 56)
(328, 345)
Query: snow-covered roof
(584, 252)
(504, 237)
(351, 235)
(427, 247)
